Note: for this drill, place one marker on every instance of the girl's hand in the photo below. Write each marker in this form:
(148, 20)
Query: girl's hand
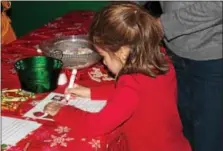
(52, 108)
(79, 91)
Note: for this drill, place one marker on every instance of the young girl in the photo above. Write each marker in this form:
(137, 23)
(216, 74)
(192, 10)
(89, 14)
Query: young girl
(143, 101)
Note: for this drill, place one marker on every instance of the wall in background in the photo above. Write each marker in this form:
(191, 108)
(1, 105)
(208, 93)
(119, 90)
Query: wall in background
(29, 15)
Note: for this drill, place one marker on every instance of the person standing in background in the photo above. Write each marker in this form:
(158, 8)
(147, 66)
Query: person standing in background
(193, 33)
(7, 32)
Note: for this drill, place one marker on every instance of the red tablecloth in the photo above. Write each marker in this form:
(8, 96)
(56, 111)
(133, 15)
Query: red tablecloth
(52, 137)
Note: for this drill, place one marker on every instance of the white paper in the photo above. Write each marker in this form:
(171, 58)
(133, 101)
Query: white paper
(84, 104)
(13, 130)
(88, 105)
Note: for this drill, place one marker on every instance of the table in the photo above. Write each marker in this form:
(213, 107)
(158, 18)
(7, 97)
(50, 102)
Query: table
(50, 136)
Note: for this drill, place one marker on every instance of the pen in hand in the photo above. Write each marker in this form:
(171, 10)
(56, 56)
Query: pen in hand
(67, 96)
(71, 82)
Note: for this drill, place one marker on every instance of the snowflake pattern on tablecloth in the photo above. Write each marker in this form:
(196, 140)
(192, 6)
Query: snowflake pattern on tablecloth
(59, 140)
(52, 25)
(12, 71)
(58, 35)
(95, 143)
(83, 139)
(98, 76)
(34, 34)
(62, 129)
(75, 26)
(17, 56)
(11, 60)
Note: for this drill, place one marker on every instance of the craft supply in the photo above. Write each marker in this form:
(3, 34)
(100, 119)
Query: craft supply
(71, 82)
(10, 106)
(12, 98)
(13, 129)
(14, 95)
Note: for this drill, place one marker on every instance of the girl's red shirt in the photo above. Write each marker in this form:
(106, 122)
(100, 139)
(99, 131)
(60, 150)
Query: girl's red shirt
(144, 107)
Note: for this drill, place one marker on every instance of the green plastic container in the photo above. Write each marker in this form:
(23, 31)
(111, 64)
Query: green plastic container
(38, 74)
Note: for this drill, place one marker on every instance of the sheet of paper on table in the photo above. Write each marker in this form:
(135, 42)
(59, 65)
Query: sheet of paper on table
(13, 129)
(84, 104)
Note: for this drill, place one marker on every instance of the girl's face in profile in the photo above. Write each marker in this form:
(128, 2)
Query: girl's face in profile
(113, 61)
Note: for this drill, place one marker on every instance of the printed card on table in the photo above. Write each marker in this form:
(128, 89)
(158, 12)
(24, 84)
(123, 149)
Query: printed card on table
(37, 111)
(84, 104)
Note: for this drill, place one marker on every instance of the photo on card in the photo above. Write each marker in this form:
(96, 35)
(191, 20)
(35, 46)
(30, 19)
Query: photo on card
(57, 98)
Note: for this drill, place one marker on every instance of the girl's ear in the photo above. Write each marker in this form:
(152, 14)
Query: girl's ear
(123, 52)
(99, 50)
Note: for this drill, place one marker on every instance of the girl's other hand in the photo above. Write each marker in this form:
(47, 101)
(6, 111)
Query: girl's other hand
(79, 91)
(52, 108)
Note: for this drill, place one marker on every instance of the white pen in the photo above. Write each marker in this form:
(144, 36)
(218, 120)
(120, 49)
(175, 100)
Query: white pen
(71, 82)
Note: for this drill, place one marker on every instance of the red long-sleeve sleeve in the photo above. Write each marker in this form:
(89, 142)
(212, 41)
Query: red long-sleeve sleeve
(118, 109)
(102, 92)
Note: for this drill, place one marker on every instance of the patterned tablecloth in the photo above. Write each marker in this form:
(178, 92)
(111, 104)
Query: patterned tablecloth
(50, 136)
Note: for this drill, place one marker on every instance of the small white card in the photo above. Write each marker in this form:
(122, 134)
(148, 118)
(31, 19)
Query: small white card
(13, 129)
(37, 111)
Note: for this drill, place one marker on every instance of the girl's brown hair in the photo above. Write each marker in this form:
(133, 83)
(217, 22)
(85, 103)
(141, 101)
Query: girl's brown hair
(127, 24)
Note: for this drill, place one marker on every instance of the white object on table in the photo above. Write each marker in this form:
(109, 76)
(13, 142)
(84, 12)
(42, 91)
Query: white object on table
(71, 82)
(38, 49)
(40, 107)
(13, 129)
(62, 79)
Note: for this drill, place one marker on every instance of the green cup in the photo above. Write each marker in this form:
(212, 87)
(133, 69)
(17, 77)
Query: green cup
(38, 74)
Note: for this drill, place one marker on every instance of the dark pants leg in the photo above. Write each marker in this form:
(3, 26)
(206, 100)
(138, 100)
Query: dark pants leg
(200, 92)
(184, 97)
